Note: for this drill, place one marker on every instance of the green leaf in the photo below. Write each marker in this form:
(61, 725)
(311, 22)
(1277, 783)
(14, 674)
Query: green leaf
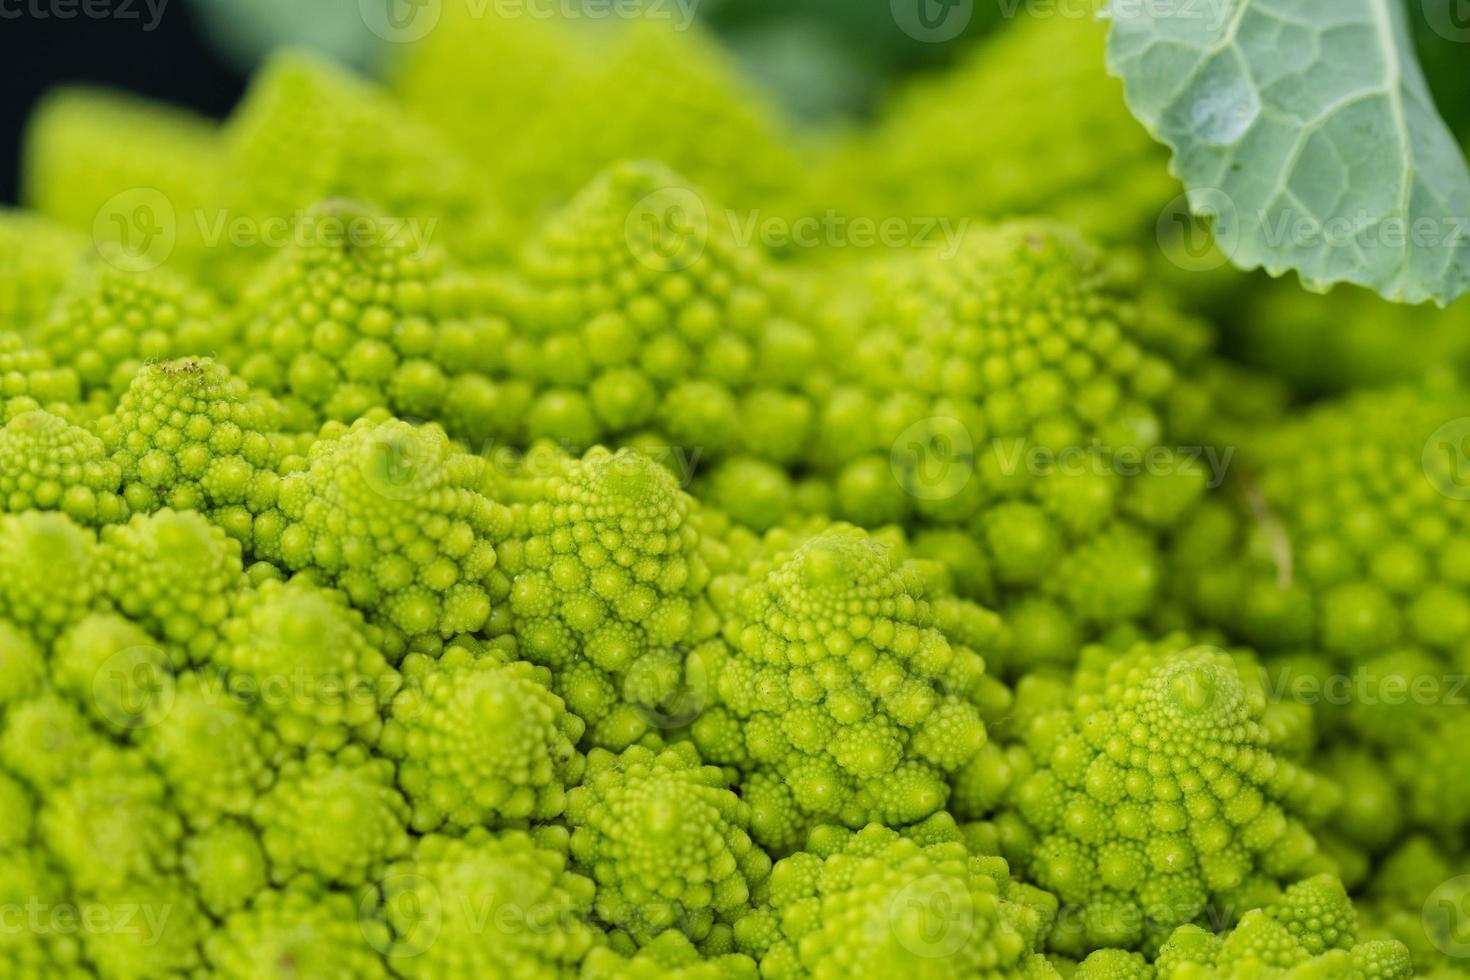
(1306, 130)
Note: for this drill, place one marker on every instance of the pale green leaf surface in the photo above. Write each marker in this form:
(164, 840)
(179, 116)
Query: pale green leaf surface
(1305, 127)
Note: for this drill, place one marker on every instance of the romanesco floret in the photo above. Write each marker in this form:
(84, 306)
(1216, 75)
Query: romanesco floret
(397, 517)
(298, 931)
(880, 903)
(668, 956)
(173, 572)
(307, 130)
(1349, 540)
(603, 575)
(30, 380)
(37, 257)
(1157, 797)
(344, 321)
(212, 750)
(480, 739)
(111, 822)
(666, 841)
(644, 312)
(485, 905)
(1011, 392)
(307, 665)
(50, 571)
(541, 104)
(111, 320)
(338, 818)
(189, 435)
(842, 677)
(114, 669)
(982, 138)
(46, 740)
(47, 463)
(1351, 549)
(226, 865)
(140, 178)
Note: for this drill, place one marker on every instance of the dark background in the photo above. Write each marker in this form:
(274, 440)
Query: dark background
(171, 62)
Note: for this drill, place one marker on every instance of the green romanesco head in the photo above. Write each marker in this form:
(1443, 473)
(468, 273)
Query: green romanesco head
(46, 463)
(226, 865)
(397, 517)
(487, 905)
(1012, 391)
(480, 739)
(307, 130)
(50, 571)
(307, 665)
(643, 311)
(666, 841)
(173, 572)
(212, 750)
(604, 575)
(110, 320)
(345, 320)
(336, 818)
(299, 931)
(1156, 798)
(884, 903)
(847, 678)
(190, 435)
(111, 822)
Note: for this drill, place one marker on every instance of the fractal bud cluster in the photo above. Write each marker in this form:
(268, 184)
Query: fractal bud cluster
(448, 545)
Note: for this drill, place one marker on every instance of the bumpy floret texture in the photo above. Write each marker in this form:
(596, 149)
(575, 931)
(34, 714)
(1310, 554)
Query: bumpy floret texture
(109, 320)
(642, 312)
(665, 839)
(481, 739)
(1158, 796)
(1349, 542)
(482, 905)
(880, 903)
(846, 678)
(316, 673)
(602, 576)
(350, 316)
(397, 517)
